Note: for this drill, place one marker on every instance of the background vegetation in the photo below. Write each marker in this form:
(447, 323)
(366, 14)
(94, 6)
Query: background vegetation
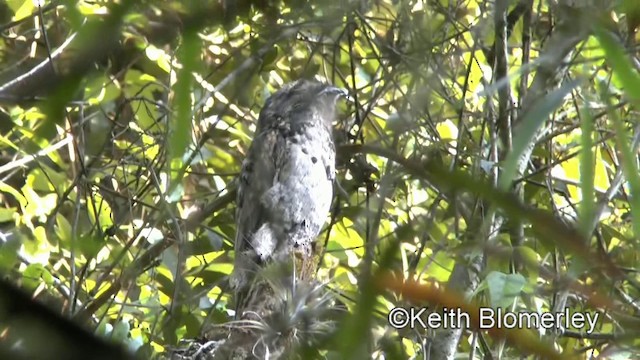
(488, 157)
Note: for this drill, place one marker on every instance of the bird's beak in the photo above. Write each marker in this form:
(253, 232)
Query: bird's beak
(337, 92)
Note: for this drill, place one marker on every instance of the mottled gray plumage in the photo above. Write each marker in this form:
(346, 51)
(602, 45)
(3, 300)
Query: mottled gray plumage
(286, 182)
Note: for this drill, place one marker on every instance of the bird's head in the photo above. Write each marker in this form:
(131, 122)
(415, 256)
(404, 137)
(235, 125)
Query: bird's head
(303, 96)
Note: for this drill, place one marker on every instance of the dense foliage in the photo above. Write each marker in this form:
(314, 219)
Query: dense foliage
(487, 157)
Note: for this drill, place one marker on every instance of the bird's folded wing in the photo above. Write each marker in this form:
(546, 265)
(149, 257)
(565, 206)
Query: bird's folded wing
(257, 176)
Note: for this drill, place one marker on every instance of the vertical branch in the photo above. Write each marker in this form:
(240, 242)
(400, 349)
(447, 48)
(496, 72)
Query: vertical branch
(517, 228)
(503, 121)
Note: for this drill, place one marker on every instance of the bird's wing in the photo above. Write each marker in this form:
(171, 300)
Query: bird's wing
(257, 176)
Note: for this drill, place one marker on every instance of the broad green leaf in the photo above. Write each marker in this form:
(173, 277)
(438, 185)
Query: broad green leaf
(504, 288)
(35, 275)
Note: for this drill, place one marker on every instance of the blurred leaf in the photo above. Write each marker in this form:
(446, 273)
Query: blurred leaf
(15, 193)
(21, 8)
(631, 80)
(504, 288)
(89, 245)
(35, 275)
(120, 331)
(9, 247)
(587, 173)
(63, 230)
(7, 214)
(531, 122)
(620, 64)
(181, 121)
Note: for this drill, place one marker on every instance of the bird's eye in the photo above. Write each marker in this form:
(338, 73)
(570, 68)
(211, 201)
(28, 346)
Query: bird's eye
(332, 90)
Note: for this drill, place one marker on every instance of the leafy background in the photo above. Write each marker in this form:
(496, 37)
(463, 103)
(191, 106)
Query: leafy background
(498, 139)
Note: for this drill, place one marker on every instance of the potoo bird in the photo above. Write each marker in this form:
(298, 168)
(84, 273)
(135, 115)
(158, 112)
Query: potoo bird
(286, 182)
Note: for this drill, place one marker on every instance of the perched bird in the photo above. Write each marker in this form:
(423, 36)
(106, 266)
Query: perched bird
(286, 182)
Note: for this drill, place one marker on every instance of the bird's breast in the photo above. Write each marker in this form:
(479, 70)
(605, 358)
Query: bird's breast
(303, 189)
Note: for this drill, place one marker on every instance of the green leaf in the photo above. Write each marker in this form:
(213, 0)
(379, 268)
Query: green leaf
(631, 80)
(9, 250)
(36, 274)
(7, 214)
(89, 245)
(180, 130)
(5, 188)
(629, 168)
(504, 288)
(63, 230)
(21, 8)
(620, 63)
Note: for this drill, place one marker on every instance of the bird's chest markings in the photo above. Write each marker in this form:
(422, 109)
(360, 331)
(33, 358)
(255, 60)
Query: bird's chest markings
(306, 139)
